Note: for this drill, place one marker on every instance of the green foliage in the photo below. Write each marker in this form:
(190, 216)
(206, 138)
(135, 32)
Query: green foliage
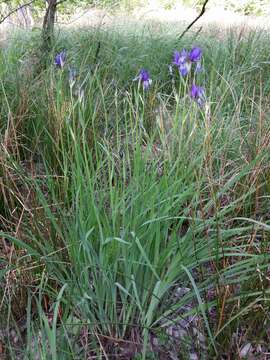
(248, 7)
(66, 3)
(135, 194)
(244, 7)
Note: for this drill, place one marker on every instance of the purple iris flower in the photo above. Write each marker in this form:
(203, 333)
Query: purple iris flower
(60, 59)
(180, 58)
(144, 78)
(176, 58)
(197, 93)
(184, 68)
(195, 54)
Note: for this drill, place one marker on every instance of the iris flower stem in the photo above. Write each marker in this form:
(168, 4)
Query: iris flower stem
(137, 109)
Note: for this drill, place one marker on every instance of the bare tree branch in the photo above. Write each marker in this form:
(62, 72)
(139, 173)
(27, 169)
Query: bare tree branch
(195, 20)
(13, 11)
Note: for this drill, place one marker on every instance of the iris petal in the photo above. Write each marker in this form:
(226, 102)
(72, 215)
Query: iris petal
(195, 54)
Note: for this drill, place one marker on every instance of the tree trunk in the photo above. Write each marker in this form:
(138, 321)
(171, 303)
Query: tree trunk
(48, 25)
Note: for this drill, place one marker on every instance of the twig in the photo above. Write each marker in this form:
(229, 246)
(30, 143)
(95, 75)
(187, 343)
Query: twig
(102, 347)
(15, 10)
(195, 20)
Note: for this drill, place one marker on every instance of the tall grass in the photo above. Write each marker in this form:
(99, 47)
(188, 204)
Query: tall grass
(125, 212)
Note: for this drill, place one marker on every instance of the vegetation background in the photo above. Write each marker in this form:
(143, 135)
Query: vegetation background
(134, 224)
